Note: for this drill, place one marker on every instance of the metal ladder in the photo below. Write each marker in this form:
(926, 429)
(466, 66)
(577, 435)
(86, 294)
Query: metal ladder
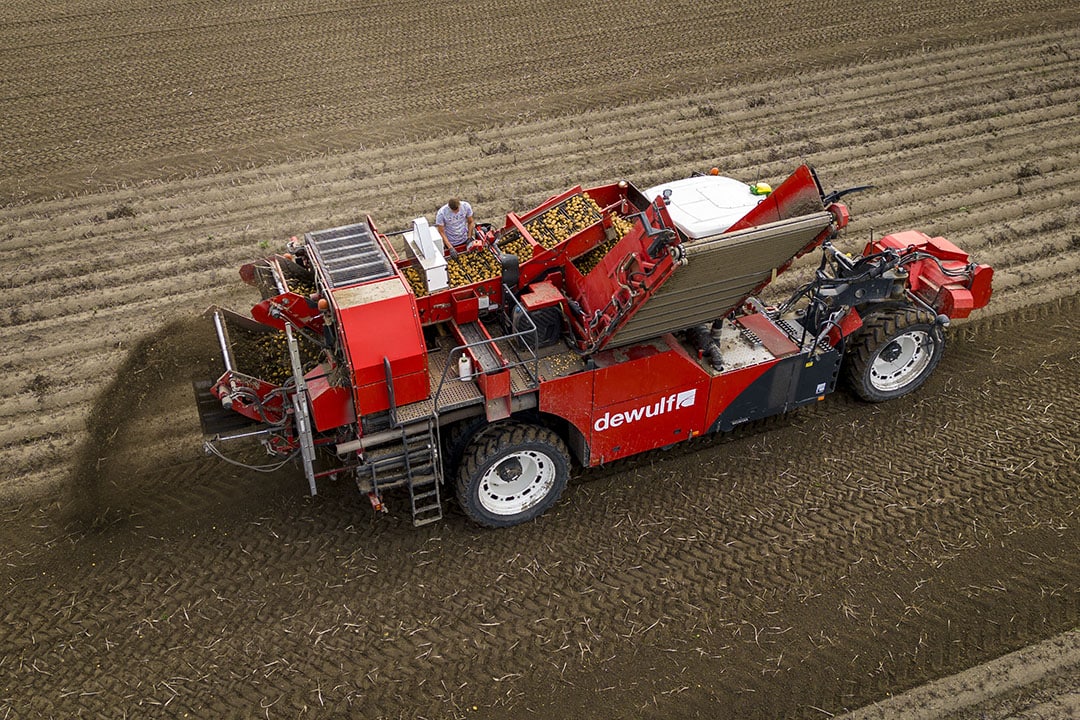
(413, 463)
(301, 415)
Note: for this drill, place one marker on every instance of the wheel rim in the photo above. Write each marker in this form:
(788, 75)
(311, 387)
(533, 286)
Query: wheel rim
(901, 361)
(517, 482)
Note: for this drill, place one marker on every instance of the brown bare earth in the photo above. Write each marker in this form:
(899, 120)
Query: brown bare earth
(818, 564)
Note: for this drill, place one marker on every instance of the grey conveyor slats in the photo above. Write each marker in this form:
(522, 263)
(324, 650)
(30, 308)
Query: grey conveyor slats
(473, 333)
(719, 274)
(350, 254)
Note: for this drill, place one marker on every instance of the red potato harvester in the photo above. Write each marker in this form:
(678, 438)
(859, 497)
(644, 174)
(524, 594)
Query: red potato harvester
(603, 323)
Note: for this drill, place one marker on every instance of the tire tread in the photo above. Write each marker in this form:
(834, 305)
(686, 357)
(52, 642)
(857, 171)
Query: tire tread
(494, 440)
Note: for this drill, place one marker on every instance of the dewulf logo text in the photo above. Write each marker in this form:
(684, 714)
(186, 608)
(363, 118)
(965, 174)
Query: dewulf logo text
(674, 401)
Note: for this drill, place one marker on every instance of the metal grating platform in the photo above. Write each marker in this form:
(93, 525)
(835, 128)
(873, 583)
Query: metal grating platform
(350, 254)
(455, 393)
(738, 350)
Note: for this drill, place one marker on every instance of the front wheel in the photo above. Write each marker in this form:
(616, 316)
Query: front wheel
(512, 473)
(894, 354)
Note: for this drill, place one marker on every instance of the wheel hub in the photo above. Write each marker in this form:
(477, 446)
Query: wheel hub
(509, 469)
(902, 361)
(890, 353)
(517, 482)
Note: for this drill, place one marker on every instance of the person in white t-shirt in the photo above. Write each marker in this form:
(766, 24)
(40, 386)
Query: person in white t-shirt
(455, 223)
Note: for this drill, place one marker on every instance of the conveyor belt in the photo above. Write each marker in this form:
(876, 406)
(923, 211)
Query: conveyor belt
(720, 273)
(485, 357)
(350, 254)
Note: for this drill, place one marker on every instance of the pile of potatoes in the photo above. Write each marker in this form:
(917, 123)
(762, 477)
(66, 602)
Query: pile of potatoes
(415, 280)
(467, 268)
(565, 219)
(300, 287)
(472, 267)
(266, 356)
(514, 244)
(620, 226)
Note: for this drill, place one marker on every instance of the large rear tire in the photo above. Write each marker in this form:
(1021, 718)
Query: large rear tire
(895, 352)
(456, 440)
(512, 473)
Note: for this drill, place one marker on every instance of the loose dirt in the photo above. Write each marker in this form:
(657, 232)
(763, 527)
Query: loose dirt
(1040, 681)
(806, 568)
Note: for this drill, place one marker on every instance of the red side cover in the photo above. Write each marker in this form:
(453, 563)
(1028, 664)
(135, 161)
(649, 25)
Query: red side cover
(955, 295)
(797, 195)
(378, 321)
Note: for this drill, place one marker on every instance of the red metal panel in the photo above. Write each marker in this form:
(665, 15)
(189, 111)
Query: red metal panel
(585, 240)
(955, 297)
(622, 282)
(541, 295)
(494, 384)
(851, 322)
(376, 321)
(774, 339)
(295, 308)
(466, 305)
(268, 408)
(797, 195)
(331, 405)
(647, 398)
(374, 398)
(441, 306)
(570, 398)
(613, 197)
(980, 285)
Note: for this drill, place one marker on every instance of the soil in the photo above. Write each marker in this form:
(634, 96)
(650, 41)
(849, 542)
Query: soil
(826, 561)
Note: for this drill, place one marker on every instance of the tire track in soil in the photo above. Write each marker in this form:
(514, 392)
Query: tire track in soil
(647, 578)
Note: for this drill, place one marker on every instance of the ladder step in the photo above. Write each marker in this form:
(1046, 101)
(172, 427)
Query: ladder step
(407, 456)
(421, 522)
(417, 458)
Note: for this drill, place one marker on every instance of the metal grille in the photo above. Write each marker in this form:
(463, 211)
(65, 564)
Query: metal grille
(795, 330)
(455, 393)
(350, 254)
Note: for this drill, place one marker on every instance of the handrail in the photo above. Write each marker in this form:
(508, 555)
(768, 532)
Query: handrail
(533, 359)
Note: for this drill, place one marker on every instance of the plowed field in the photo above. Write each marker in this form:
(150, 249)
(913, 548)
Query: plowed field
(828, 560)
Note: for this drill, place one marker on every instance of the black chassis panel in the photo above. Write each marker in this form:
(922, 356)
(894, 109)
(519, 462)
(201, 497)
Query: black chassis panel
(794, 381)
